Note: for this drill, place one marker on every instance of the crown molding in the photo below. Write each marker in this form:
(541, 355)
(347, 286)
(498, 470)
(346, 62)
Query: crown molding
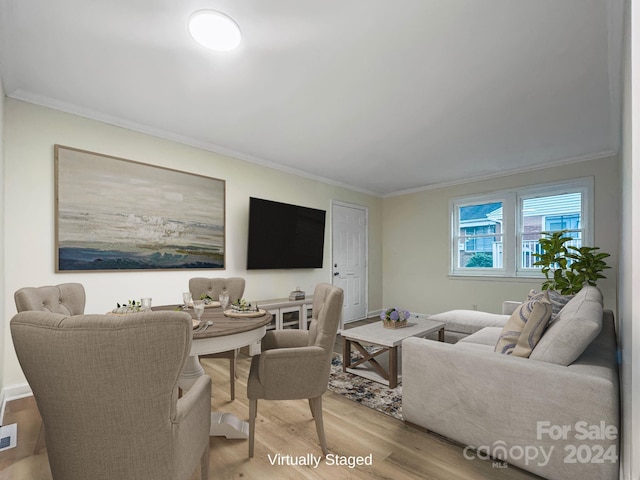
(506, 173)
(90, 114)
(77, 110)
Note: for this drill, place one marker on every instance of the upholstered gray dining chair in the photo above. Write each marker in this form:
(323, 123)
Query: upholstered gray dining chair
(213, 287)
(66, 298)
(106, 387)
(295, 364)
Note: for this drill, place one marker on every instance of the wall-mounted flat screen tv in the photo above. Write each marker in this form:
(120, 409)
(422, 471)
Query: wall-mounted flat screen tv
(284, 236)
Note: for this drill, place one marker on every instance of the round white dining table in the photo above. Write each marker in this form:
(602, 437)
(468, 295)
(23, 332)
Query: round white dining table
(226, 333)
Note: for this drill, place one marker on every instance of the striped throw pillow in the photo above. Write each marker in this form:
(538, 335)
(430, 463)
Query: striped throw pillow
(558, 301)
(525, 327)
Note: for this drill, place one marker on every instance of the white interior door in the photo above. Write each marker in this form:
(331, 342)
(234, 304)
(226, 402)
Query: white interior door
(349, 248)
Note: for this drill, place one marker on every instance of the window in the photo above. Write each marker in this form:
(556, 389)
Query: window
(497, 234)
(480, 230)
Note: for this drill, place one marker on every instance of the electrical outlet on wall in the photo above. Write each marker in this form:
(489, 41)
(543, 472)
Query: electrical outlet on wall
(8, 436)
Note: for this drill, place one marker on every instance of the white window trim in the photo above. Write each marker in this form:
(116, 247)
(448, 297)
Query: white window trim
(512, 222)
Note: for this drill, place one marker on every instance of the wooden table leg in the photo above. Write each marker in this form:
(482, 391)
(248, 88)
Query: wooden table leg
(346, 354)
(393, 367)
(441, 335)
(369, 358)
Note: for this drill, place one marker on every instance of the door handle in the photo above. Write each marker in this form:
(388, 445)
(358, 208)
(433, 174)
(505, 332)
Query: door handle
(336, 274)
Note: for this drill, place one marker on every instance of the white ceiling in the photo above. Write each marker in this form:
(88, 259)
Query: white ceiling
(378, 95)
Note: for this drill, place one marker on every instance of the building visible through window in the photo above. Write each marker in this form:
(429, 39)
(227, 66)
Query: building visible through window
(480, 230)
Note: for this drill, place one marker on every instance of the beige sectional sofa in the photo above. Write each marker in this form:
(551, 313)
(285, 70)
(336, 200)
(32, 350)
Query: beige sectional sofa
(555, 413)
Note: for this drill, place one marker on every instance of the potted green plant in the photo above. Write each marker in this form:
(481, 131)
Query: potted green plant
(568, 268)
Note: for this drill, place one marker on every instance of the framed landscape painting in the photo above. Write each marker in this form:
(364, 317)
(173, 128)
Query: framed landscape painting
(117, 214)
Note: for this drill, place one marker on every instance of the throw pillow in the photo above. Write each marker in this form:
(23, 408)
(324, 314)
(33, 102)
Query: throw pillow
(577, 325)
(525, 326)
(558, 301)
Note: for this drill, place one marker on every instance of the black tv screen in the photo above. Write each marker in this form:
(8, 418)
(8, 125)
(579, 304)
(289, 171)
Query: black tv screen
(284, 236)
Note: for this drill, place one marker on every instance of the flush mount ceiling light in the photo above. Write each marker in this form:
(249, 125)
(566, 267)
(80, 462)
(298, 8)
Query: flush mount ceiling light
(214, 30)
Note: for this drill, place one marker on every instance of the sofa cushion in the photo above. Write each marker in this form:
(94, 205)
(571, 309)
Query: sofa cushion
(575, 327)
(486, 336)
(525, 326)
(469, 321)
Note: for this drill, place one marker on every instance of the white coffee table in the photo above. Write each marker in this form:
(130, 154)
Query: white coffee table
(390, 340)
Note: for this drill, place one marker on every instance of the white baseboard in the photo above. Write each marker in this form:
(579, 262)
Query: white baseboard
(13, 392)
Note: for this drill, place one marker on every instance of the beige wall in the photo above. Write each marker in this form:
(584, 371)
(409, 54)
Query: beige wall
(416, 242)
(31, 132)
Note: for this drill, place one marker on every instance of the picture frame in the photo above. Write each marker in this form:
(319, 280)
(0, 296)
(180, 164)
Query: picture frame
(114, 214)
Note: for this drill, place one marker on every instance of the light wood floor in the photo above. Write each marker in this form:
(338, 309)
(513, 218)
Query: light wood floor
(398, 451)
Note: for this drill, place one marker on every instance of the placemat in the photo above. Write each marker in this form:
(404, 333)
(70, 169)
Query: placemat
(208, 305)
(233, 314)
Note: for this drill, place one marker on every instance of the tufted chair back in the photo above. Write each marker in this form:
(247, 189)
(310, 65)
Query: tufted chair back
(214, 287)
(327, 313)
(106, 387)
(66, 299)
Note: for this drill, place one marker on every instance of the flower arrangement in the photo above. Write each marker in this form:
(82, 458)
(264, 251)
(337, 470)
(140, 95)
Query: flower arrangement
(206, 299)
(395, 317)
(241, 305)
(130, 307)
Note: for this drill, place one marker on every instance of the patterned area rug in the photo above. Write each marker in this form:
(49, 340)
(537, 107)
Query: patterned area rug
(366, 392)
